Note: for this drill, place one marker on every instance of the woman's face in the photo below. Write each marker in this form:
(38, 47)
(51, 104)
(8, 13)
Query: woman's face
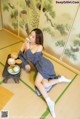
(32, 37)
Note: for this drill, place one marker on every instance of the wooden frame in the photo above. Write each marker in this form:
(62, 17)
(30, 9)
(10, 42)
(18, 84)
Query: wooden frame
(0, 16)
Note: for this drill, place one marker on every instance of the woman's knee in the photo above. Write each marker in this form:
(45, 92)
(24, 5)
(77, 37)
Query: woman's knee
(45, 83)
(38, 80)
(28, 68)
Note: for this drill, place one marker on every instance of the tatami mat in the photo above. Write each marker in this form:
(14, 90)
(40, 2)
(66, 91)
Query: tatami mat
(25, 103)
(6, 51)
(7, 39)
(56, 93)
(28, 78)
(69, 105)
(5, 96)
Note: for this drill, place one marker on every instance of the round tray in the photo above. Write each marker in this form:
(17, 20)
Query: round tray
(12, 68)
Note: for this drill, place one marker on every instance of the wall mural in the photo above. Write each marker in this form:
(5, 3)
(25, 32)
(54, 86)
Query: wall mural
(21, 16)
(28, 16)
(10, 15)
(58, 21)
(0, 17)
(72, 50)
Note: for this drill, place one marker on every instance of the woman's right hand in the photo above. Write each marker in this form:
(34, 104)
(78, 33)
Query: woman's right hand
(23, 47)
(27, 44)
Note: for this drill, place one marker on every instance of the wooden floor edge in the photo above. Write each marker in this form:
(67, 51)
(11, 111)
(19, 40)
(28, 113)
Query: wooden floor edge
(48, 55)
(13, 34)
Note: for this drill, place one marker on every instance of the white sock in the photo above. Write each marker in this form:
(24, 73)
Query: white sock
(63, 79)
(51, 105)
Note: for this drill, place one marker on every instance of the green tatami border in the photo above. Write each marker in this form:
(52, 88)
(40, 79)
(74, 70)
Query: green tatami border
(1, 82)
(10, 45)
(59, 97)
(27, 85)
(1, 63)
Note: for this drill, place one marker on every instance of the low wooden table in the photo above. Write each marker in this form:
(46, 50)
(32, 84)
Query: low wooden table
(7, 76)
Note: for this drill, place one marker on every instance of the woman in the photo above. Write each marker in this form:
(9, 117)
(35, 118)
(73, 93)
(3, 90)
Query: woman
(31, 51)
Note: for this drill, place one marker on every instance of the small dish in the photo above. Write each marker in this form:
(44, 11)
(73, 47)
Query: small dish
(11, 61)
(18, 61)
(14, 69)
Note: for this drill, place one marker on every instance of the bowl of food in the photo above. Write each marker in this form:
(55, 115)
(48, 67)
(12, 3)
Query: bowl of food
(11, 61)
(14, 69)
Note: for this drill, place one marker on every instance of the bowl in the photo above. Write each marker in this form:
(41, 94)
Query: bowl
(11, 61)
(13, 69)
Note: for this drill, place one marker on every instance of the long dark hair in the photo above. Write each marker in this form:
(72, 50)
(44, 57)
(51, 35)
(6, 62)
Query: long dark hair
(39, 36)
